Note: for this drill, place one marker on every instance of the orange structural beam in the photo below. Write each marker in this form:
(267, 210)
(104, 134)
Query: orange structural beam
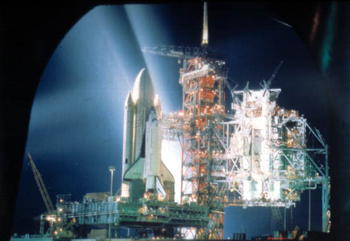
(207, 82)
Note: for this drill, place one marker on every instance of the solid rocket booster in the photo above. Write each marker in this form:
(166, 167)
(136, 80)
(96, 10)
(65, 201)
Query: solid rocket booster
(128, 136)
(143, 169)
(128, 133)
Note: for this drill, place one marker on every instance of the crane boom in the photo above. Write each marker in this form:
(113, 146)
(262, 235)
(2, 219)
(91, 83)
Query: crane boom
(41, 186)
(182, 52)
(179, 52)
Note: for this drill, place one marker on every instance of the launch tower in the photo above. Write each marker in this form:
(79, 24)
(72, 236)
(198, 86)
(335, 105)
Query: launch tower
(203, 111)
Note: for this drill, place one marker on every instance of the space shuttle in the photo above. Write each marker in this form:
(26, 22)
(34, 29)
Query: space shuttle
(143, 171)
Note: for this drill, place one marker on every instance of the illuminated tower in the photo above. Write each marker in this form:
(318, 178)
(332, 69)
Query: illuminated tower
(203, 111)
(202, 178)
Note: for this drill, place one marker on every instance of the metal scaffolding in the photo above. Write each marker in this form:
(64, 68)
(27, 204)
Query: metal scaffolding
(257, 155)
(273, 154)
(99, 210)
(202, 112)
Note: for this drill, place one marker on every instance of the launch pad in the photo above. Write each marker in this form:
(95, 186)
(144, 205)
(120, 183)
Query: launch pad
(124, 213)
(254, 153)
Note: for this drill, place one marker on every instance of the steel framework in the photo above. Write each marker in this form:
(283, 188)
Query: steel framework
(203, 109)
(272, 154)
(164, 217)
(258, 155)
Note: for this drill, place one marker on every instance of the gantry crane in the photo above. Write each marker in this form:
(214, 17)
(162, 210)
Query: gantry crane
(50, 216)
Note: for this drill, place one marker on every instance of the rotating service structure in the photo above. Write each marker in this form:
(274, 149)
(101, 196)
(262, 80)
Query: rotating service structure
(273, 154)
(257, 154)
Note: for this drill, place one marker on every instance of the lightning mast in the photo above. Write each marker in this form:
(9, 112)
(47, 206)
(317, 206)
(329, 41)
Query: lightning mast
(205, 35)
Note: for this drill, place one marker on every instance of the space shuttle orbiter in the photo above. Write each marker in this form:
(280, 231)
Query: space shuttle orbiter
(142, 168)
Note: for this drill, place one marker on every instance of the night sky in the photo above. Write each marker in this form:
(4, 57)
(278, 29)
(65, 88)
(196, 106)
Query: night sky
(76, 125)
